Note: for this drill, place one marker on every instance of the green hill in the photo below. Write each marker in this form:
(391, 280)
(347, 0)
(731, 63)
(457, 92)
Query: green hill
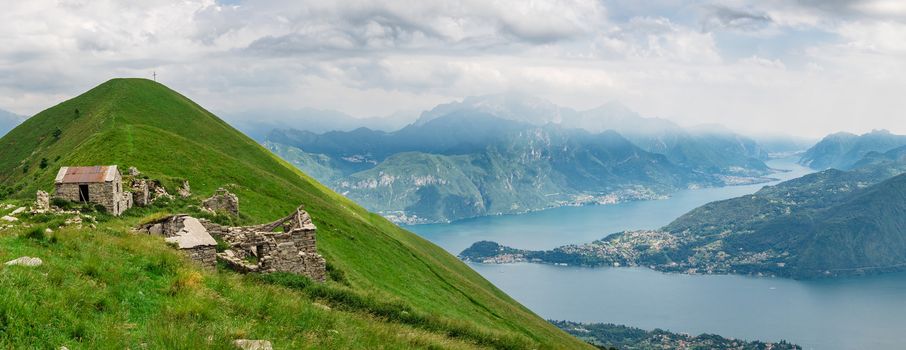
(136, 122)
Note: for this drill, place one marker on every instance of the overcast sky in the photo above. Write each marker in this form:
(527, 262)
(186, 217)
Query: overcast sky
(804, 67)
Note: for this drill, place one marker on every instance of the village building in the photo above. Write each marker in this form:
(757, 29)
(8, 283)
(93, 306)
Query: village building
(101, 185)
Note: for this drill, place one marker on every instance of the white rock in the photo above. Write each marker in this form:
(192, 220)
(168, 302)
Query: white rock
(246, 344)
(25, 261)
(9, 218)
(17, 211)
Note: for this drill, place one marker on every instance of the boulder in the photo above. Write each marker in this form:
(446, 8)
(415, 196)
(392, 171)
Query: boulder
(222, 201)
(247, 344)
(25, 261)
(185, 191)
(9, 218)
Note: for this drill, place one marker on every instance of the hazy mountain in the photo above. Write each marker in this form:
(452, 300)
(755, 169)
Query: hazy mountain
(711, 149)
(258, 123)
(8, 121)
(842, 150)
(511, 106)
(464, 165)
(460, 159)
(781, 144)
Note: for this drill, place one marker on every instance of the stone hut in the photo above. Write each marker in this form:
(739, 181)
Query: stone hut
(93, 184)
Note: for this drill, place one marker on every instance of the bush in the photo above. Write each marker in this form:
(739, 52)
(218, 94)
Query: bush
(36, 233)
(336, 275)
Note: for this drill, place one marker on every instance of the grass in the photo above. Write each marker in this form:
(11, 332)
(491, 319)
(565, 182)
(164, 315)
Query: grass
(136, 122)
(105, 288)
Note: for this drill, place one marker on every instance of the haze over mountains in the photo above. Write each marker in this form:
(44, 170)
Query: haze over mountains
(511, 153)
(258, 123)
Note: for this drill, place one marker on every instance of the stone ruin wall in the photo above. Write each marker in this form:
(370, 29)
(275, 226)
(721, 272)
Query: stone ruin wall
(294, 250)
(206, 256)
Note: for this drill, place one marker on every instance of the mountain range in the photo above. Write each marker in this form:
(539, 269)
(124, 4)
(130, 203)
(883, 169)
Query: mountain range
(103, 286)
(829, 223)
(513, 153)
(258, 123)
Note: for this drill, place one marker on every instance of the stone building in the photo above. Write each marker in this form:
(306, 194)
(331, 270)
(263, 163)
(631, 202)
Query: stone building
(101, 185)
(285, 245)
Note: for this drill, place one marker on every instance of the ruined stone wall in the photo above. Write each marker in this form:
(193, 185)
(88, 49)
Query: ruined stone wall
(294, 251)
(206, 256)
(141, 196)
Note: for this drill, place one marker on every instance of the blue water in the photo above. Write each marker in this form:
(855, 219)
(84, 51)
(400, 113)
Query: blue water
(852, 313)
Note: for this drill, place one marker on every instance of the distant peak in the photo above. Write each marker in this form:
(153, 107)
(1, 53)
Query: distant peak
(879, 132)
(616, 106)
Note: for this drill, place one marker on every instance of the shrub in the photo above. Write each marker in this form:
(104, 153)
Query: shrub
(36, 233)
(336, 275)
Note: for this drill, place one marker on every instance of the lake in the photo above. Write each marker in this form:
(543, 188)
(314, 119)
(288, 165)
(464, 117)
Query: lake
(851, 313)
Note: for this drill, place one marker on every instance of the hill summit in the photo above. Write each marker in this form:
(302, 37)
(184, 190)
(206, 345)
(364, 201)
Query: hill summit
(394, 288)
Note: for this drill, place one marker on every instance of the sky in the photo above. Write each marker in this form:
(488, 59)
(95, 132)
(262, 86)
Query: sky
(802, 67)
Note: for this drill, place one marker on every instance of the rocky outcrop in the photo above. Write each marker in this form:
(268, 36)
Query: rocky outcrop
(185, 191)
(247, 344)
(156, 191)
(222, 201)
(25, 261)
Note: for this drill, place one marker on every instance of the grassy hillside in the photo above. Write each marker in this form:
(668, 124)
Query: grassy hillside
(136, 122)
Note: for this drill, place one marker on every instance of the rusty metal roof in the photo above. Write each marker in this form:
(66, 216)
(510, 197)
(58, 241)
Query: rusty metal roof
(86, 174)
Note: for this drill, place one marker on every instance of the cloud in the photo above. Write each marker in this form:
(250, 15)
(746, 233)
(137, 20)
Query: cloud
(721, 17)
(738, 62)
(658, 38)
